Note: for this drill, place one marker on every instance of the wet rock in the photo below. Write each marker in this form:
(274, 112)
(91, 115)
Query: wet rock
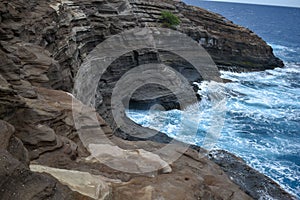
(251, 181)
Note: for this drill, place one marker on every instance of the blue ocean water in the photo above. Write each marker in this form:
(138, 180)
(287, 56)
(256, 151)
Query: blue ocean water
(262, 117)
(279, 26)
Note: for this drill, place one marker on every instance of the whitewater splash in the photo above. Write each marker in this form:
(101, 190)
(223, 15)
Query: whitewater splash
(287, 53)
(262, 121)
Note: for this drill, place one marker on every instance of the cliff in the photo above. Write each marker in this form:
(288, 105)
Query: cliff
(42, 45)
(69, 30)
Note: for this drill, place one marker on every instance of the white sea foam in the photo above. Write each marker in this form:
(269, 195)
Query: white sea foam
(262, 121)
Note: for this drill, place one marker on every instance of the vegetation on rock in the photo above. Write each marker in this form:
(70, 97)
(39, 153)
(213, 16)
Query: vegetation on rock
(169, 20)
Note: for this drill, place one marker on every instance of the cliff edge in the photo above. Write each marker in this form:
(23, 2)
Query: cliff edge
(69, 30)
(42, 45)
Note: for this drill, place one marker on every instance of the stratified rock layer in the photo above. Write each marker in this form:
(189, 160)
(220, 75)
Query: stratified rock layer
(17, 181)
(255, 184)
(42, 44)
(64, 32)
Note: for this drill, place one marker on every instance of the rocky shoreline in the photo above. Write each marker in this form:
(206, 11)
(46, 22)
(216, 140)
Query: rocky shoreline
(42, 45)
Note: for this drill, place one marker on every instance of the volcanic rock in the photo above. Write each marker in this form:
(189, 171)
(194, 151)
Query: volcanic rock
(42, 45)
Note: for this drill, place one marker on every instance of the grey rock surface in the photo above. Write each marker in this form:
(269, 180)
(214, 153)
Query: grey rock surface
(253, 183)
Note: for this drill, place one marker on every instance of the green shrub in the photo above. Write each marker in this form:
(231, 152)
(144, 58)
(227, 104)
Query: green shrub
(169, 20)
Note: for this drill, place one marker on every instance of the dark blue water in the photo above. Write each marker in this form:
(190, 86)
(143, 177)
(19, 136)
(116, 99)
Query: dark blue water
(279, 26)
(262, 114)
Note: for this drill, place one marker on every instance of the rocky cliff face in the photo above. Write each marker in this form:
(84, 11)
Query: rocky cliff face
(69, 30)
(42, 44)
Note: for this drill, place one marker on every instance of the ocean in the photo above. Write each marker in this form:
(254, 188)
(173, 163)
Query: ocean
(262, 120)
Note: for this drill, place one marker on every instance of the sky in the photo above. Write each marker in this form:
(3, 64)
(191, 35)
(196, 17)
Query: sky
(289, 3)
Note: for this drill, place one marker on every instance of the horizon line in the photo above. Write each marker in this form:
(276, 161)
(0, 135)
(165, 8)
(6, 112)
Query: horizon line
(253, 3)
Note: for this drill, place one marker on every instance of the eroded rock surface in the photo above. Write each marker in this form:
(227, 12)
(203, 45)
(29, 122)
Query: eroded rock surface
(17, 181)
(244, 176)
(96, 187)
(68, 30)
(42, 44)
(48, 121)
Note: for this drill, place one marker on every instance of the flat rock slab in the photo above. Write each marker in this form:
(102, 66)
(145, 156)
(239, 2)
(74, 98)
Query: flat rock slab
(94, 186)
(133, 161)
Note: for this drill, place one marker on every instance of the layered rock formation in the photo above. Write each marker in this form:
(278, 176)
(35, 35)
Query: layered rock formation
(246, 177)
(69, 30)
(46, 136)
(42, 44)
(17, 181)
